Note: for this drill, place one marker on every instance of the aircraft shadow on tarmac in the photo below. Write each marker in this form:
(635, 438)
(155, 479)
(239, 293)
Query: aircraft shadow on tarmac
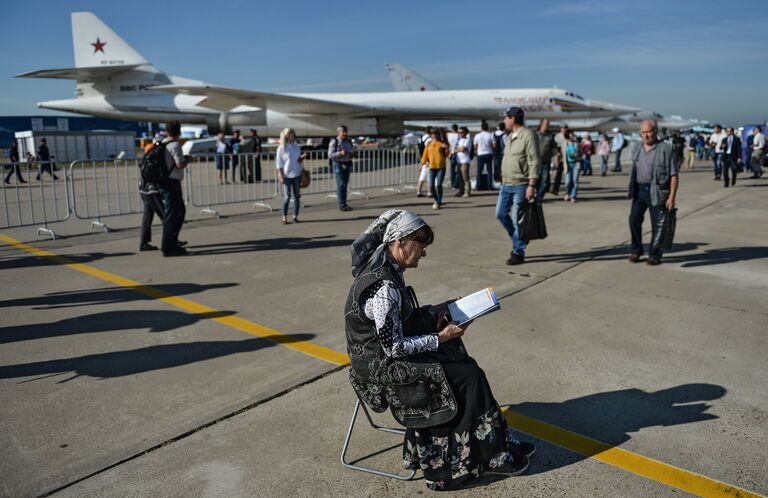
(36, 261)
(609, 417)
(108, 321)
(275, 244)
(106, 295)
(136, 361)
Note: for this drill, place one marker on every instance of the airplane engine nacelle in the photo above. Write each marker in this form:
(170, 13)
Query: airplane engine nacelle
(219, 124)
(228, 121)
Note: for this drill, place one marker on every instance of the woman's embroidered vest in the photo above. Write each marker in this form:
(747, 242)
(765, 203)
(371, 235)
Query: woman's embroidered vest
(413, 387)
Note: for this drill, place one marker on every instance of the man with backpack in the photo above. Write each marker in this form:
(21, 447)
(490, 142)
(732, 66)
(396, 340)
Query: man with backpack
(153, 205)
(164, 165)
(340, 153)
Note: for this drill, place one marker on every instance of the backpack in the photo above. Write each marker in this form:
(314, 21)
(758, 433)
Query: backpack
(335, 141)
(625, 144)
(498, 140)
(153, 168)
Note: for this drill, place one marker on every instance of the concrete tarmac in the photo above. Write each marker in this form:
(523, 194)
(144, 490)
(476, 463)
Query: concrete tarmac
(108, 391)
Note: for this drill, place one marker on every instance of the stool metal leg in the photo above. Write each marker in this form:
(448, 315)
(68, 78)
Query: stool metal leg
(377, 427)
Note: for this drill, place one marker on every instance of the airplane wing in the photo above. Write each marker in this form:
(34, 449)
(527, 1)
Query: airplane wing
(224, 98)
(79, 73)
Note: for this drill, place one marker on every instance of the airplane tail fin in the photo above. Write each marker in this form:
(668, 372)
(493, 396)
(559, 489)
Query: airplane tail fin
(406, 80)
(96, 45)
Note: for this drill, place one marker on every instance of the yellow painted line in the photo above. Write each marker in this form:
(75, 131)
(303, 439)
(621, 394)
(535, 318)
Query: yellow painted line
(626, 460)
(305, 347)
(617, 457)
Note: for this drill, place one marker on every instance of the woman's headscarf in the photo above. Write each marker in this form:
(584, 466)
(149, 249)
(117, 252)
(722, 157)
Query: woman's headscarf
(371, 244)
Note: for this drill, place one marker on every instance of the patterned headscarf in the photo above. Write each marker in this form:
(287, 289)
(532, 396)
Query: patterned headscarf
(371, 244)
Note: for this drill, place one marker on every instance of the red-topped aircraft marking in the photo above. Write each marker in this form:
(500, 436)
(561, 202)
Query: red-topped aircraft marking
(98, 46)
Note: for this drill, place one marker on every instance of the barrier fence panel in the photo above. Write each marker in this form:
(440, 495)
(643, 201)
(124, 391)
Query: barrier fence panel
(371, 169)
(98, 189)
(220, 179)
(323, 179)
(104, 188)
(34, 193)
(411, 166)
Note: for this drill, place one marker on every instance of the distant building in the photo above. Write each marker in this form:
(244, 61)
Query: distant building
(11, 124)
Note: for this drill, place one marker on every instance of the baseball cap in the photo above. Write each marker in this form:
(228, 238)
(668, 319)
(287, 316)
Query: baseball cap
(514, 112)
(615, 129)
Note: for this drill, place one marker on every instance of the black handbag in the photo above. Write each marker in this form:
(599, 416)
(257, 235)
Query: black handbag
(530, 221)
(665, 234)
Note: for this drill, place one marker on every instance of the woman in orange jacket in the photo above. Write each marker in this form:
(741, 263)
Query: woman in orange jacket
(435, 154)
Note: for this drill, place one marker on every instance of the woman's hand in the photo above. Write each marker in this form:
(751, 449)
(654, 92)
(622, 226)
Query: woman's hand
(452, 331)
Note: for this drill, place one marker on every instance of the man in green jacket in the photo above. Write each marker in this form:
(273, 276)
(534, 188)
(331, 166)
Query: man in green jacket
(519, 175)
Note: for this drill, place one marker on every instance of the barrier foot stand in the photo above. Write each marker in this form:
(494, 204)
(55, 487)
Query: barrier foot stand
(409, 187)
(393, 189)
(46, 231)
(360, 193)
(263, 205)
(209, 211)
(100, 225)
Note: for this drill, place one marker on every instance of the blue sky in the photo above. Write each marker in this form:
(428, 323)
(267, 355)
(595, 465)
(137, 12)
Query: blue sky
(698, 59)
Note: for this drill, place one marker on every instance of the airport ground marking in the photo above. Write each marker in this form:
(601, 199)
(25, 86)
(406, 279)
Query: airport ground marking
(626, 460)
(590, 448)
(235, 322)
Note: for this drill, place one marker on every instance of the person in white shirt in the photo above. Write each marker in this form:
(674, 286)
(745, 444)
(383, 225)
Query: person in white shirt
(758, 152)
(463, 146)
(716, 141)
(222, 159)
(453, 138)
(616, 147)
(289, 167)
(483, 145)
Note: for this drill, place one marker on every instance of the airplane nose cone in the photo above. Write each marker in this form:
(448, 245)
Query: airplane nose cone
(614, 108)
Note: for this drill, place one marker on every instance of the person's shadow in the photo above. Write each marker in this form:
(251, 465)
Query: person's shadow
(136, 361)
(609, 417)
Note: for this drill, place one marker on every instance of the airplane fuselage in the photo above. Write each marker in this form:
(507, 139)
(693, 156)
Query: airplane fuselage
(384, 116)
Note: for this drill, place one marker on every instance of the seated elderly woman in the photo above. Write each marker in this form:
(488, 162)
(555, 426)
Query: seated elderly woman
(412, 360)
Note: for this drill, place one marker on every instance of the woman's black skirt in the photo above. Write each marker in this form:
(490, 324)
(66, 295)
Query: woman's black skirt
(451, 455)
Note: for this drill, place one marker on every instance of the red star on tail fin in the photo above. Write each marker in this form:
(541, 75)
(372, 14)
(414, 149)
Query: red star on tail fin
(98, 46)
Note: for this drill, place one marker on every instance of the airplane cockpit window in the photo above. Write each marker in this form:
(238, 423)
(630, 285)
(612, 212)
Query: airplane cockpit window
(571, 94)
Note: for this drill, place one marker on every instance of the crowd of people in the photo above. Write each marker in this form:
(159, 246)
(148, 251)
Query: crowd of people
(726, 151)
(522, 165)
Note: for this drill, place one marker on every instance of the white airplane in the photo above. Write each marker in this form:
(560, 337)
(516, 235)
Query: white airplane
(405, 79)
(115, 81)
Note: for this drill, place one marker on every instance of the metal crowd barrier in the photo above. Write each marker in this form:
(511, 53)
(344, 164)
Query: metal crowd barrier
(220, 179)
(32, 195)
(104, 188)
(371, 169)
(98, 189)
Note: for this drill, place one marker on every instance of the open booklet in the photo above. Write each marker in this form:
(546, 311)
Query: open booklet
(473, 306)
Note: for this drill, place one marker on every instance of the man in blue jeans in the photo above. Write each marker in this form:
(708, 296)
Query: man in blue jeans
(652, 187)
(519, 174)
(340, 153)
